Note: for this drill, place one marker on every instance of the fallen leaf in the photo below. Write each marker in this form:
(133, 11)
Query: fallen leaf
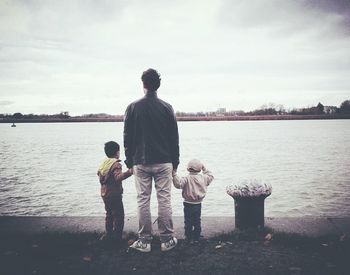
(87, 258)
(218, 246)
(342, 238)
(10, 253)
(324, 244)
(269, 237)
(130, 242)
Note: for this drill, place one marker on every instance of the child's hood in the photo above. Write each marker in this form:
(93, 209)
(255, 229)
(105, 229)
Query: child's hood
(106, 166)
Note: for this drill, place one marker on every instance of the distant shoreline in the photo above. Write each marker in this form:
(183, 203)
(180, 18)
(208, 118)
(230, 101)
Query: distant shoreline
(188, 118)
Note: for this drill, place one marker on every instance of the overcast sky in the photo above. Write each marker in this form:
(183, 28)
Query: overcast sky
(88, 56)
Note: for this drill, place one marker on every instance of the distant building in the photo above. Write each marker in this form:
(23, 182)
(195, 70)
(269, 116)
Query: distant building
(221, 112)
(235, 113)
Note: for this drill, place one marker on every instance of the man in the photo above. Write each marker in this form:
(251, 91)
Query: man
(151, 143)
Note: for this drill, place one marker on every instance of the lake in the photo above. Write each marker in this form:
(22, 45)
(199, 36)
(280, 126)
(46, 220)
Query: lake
(50, 169)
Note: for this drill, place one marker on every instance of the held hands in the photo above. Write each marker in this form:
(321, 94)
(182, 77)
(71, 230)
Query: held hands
(131, 171)
(174, 173)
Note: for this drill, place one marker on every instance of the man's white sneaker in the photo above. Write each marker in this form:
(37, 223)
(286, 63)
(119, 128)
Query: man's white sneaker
(141, 246)
(166, 246)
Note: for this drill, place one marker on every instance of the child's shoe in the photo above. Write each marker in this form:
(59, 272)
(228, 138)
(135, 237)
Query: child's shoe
(187, 240)
(141, 246)
(166, 246)
(195, 242)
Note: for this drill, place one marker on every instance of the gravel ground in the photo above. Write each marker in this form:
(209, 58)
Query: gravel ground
(236, 253)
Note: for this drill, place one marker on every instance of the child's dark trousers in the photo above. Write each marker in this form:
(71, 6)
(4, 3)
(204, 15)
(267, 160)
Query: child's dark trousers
(114, 216)
(192, 213)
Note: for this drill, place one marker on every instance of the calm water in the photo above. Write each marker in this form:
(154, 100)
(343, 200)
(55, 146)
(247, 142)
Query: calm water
(50, 169)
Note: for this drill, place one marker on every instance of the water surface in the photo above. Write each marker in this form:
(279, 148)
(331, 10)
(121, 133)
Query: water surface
(50, 169)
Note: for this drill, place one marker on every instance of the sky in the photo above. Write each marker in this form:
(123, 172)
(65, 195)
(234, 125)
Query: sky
(88, 56)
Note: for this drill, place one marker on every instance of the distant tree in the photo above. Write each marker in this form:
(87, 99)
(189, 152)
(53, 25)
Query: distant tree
(17, 115)
(64, 115)
(267, 109)
(345, 107)
(30, 116)
(179, 114)
(294, 111)
(320, 108)
(280, 109)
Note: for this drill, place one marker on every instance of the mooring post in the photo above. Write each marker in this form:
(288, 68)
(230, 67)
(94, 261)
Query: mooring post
(249, 198)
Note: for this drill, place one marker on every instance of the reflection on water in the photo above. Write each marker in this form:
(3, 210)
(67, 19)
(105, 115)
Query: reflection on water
(50, 169)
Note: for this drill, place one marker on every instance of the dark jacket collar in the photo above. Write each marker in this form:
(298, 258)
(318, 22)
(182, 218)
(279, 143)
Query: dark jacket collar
(151, 94)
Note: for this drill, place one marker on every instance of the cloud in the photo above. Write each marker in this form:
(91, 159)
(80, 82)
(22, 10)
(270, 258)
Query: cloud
(87, 56)
(288, 18)
(6, 102)
(340, 7)
(338, 10)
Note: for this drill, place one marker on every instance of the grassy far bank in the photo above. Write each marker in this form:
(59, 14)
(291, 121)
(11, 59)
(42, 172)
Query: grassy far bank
(235, 253)
(181, 118)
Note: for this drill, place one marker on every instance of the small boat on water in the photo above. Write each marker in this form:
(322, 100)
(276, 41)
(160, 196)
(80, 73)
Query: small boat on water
(13, 125)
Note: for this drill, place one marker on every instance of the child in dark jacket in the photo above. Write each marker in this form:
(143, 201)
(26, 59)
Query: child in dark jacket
(111, 177)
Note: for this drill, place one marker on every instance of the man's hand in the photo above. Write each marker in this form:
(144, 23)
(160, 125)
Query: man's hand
(174, 173)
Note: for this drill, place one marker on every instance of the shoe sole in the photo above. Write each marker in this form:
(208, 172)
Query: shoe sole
(140, 250)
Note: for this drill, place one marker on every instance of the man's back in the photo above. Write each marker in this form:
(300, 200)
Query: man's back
(151, 144)
(150, 132)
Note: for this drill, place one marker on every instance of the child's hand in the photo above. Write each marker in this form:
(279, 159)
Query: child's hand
(174, 173)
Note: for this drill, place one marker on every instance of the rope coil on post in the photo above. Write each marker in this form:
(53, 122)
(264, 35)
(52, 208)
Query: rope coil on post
(249, 196)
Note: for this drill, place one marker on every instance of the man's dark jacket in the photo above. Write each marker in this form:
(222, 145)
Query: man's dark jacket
(150, 132)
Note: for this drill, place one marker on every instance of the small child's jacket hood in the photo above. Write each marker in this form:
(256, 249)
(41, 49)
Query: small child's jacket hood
(106, 166)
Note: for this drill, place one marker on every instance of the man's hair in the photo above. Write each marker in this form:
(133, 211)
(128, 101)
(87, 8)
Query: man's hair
(151, 80)
(111, 148)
